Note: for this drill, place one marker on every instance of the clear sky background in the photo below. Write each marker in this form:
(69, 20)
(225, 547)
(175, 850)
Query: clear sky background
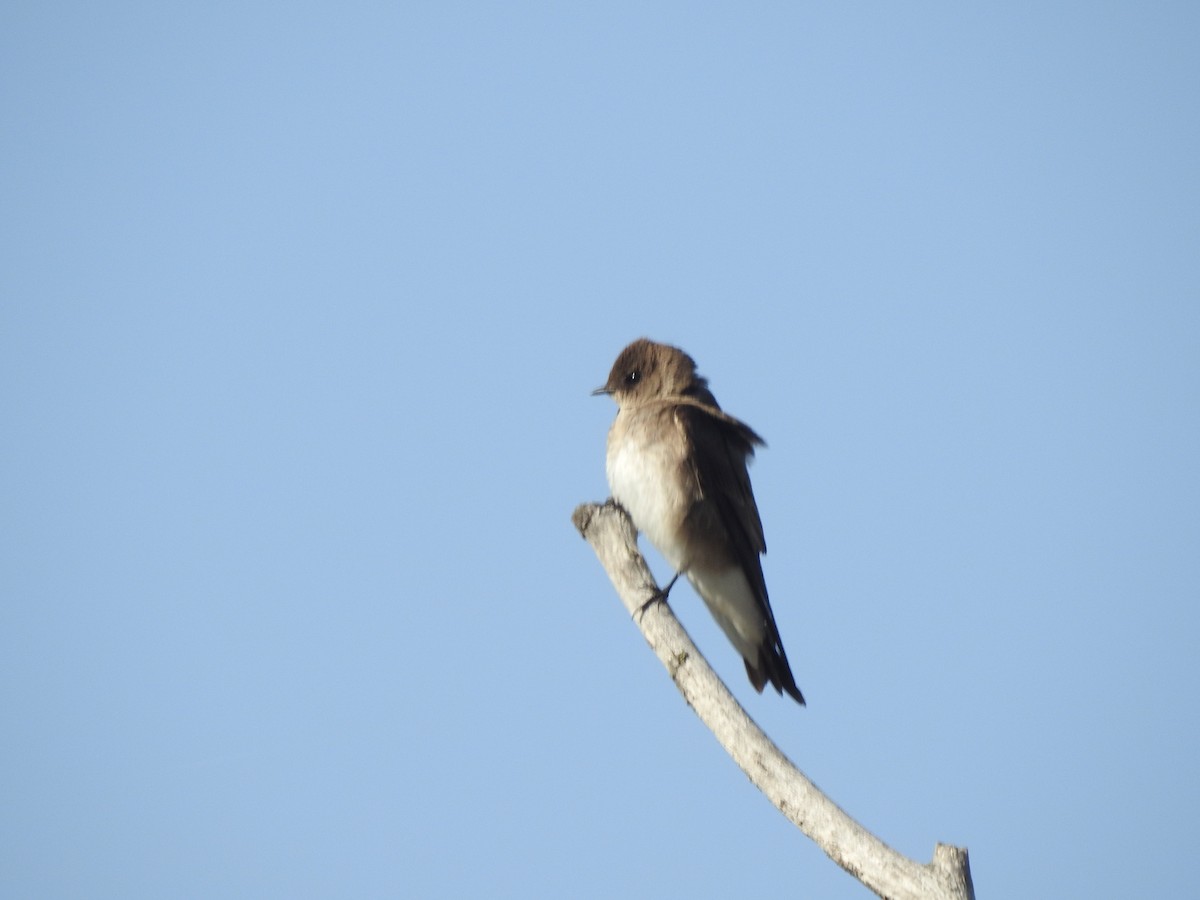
(301, 308)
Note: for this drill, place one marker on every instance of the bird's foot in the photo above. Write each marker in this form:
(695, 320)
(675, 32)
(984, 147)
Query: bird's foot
(659, 596)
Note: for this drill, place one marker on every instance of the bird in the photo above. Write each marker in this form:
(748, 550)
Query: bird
(677, 463)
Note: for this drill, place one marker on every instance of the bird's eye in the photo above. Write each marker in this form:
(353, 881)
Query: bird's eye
(633, 377)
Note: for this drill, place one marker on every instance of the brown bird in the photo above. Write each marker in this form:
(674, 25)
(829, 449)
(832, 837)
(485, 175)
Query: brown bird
(678, 464)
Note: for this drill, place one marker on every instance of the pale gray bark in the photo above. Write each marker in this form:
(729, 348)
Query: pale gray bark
(886, 872)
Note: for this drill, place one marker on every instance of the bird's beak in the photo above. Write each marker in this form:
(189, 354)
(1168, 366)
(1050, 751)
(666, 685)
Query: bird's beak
(601, 390)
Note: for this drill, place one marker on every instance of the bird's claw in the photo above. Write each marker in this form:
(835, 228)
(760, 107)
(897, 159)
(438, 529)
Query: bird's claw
(659, 596)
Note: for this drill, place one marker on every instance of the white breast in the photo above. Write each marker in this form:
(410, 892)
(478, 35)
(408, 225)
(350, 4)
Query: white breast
(645, 479)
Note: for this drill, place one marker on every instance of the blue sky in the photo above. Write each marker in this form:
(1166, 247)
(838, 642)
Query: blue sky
(300, 307)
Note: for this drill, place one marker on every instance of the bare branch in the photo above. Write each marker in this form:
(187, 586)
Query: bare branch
(885, 871)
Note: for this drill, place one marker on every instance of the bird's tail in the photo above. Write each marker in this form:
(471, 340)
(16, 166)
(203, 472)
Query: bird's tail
(773, 667)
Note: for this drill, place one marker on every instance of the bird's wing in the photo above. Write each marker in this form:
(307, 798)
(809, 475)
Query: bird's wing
(721, 447)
